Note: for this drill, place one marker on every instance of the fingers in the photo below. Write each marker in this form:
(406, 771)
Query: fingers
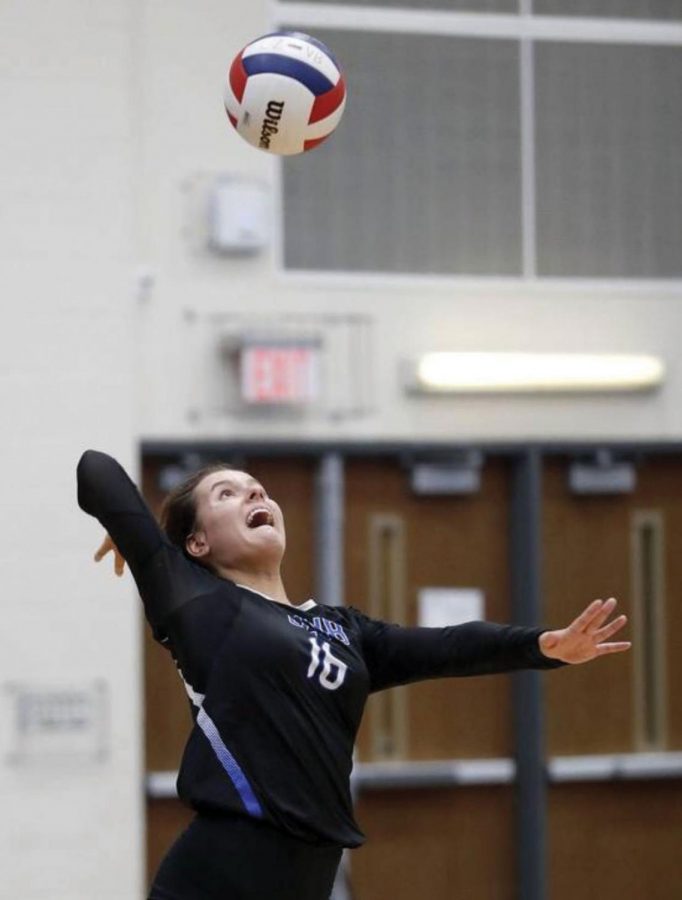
(616, 647)
(102, 551)
(594, 615)
(603, 634)
(107, 546)
(586, 616)
(602, 615)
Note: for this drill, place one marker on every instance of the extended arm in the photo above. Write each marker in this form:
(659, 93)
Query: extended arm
(396, 655)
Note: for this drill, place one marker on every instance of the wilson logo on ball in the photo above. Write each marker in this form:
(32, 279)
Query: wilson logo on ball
(272, 116)
(305, 77)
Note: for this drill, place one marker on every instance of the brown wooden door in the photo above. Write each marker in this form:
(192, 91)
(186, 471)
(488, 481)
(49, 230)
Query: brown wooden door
(455, 842)
(613, 839)
(448, 542)
(443, 844)
(588, 553)
(460, 841)
(616, 840)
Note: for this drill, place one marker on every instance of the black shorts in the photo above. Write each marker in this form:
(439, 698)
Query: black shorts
(233, 858)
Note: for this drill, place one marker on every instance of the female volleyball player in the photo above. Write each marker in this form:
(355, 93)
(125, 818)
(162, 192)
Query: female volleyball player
(277, 690)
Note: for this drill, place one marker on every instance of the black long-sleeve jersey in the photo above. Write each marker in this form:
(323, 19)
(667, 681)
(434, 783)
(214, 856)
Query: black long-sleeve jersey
(276, 691)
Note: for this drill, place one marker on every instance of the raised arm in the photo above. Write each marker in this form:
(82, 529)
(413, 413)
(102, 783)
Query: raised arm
(162, 574)
(106, 492)
(187, 606)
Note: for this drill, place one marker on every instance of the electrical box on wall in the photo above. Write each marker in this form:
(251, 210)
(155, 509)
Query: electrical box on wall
(238, 215)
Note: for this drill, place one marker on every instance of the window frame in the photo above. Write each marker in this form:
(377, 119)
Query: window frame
(527, 29)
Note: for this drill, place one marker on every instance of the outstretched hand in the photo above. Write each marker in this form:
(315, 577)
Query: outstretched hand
(587, 636)
(107, 546)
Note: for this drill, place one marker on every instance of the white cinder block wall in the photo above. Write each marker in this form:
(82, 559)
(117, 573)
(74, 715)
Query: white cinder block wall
(68, 830)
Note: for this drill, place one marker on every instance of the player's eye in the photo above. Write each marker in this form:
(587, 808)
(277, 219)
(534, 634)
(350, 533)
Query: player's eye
(225, 492)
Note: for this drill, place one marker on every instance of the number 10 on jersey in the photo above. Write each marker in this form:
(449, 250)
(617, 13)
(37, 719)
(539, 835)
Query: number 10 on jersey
(332, 671)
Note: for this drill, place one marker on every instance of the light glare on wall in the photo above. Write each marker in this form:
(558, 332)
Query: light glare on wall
(536, 372)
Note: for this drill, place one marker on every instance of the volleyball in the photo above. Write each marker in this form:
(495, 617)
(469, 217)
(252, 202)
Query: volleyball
(285, 93)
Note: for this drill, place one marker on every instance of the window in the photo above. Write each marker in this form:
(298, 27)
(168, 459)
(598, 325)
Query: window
(423, 174)
(609, 181)
(472, 145)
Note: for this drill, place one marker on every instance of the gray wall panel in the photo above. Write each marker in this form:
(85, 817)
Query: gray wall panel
(609, 171)
(423, 174)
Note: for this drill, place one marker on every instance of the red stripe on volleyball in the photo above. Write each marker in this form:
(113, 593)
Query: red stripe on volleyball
(309, 145)
(327, 103)
(238, 77)
(231, 118)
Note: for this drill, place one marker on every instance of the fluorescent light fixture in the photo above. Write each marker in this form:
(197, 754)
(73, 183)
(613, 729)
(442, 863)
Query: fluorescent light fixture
(536, 372)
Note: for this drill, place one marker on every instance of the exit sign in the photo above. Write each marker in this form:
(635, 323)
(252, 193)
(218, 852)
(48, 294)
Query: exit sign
(280, 373)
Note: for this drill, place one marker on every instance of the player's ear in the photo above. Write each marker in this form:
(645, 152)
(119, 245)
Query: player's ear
(197, 545)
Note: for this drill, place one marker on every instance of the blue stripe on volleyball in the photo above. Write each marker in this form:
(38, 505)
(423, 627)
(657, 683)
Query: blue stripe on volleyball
(314, 80)
(230, 764)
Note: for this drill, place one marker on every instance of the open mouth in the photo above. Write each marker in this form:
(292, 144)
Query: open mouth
(259, 516)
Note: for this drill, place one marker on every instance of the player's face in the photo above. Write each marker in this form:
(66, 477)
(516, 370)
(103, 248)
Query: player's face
(238, 525)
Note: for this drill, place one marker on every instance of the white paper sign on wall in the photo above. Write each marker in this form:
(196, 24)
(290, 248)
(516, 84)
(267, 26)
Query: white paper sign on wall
(441, 606)
(57, 723)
